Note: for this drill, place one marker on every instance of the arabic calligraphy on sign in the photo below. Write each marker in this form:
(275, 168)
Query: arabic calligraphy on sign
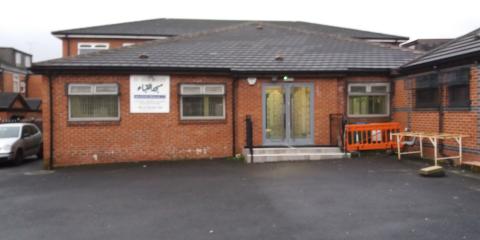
(149, 94)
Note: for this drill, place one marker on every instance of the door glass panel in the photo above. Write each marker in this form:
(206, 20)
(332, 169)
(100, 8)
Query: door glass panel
(300, 112)
(275, 113)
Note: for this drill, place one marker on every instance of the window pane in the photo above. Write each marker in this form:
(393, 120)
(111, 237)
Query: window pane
(426, 98)
(106, 89)
(379, 89)
(358, 89)
(94, 106)
(202, 106)
(191, 89)
(377, 105)
(459, 96)
(80, 89)
(215, 106)
(192, 106)
(358, 105)
(365, 105)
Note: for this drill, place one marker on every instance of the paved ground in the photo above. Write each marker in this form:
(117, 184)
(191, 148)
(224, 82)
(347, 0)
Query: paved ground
(378, 198)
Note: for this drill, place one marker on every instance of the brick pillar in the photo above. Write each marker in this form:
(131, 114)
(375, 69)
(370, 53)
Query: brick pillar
(46, 121)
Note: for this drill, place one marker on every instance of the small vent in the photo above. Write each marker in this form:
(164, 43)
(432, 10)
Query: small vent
(279, 57)
(143, 56)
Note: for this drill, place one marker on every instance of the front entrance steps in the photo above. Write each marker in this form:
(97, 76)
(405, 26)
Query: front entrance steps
(278, 154)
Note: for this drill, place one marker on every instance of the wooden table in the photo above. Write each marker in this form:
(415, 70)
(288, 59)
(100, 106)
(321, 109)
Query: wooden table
(433, 137)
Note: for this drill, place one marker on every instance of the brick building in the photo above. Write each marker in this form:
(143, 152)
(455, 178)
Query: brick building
(439, 92)
(18, 87)
(187, 95)
(187, 92)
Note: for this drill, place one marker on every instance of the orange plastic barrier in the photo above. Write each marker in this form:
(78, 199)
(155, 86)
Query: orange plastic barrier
(371, 136)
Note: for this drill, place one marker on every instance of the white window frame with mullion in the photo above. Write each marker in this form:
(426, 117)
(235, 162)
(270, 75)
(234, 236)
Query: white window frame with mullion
(96, 46)
(368, 92)
(18, 59)
(93, 90)
(202, 90)
(16, 86)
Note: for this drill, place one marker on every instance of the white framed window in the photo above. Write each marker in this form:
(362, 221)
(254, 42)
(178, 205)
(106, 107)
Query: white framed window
(22, 87)
(127, 44)
(93, 102)
(91, 47)
(28, 61)
(368, 99)
(16, 83)
(18, 58)
(202, 101)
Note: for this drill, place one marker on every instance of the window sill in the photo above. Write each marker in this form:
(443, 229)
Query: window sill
(93, 123)
(368, 116)
(425, 109)
(203, 121)
(458, 108)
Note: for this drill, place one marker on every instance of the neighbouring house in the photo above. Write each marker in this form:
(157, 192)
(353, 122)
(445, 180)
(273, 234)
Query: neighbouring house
(90, 39)
(425, 44)
(439, 92)
(18, 86)
(188, 96)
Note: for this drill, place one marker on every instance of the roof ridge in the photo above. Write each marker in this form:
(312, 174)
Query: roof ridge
(104, 25)
(448, 43)
(145, 20)
(344, 38)
(155, 42)
(352, 29)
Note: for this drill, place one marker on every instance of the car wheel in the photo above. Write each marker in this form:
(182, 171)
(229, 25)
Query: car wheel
(18, 159)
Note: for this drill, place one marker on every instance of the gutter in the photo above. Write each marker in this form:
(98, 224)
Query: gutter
(27, 78)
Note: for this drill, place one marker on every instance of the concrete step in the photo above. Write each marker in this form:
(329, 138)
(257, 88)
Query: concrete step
(262, 155)
(305, 150)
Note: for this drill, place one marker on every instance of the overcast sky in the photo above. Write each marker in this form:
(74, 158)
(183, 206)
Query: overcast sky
(26, 25)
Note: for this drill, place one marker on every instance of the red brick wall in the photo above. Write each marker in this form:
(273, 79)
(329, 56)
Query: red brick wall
(136, 137)
(458, 121)
(70, 45)
(34, 86)
(144, 137)
(7, 81)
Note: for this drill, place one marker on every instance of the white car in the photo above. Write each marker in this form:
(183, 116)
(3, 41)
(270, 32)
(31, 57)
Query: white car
(20, 140)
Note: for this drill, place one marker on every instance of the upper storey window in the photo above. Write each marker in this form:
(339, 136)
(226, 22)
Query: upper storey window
(91, 47)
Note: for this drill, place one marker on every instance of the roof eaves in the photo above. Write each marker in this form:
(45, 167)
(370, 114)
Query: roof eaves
(429, 53)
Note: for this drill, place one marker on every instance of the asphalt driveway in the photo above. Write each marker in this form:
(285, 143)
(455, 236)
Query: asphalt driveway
(375, 198)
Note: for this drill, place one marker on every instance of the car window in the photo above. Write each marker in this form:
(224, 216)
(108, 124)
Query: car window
(33, 130)
(25, 131)
(9, 132)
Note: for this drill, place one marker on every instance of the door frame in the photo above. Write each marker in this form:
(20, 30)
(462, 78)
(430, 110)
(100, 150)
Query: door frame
(288, 141)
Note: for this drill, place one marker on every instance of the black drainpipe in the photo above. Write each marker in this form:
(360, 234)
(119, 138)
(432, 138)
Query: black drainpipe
(234, 115)
(27, 78)
(68, 45)
(50, 160)
(441, 119)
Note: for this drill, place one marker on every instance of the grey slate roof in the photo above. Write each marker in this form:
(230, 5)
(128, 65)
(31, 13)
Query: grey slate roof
(7, 99)
(175, 27)
(426, 44)
(34, 103)
(466, 44)
(246, 48)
